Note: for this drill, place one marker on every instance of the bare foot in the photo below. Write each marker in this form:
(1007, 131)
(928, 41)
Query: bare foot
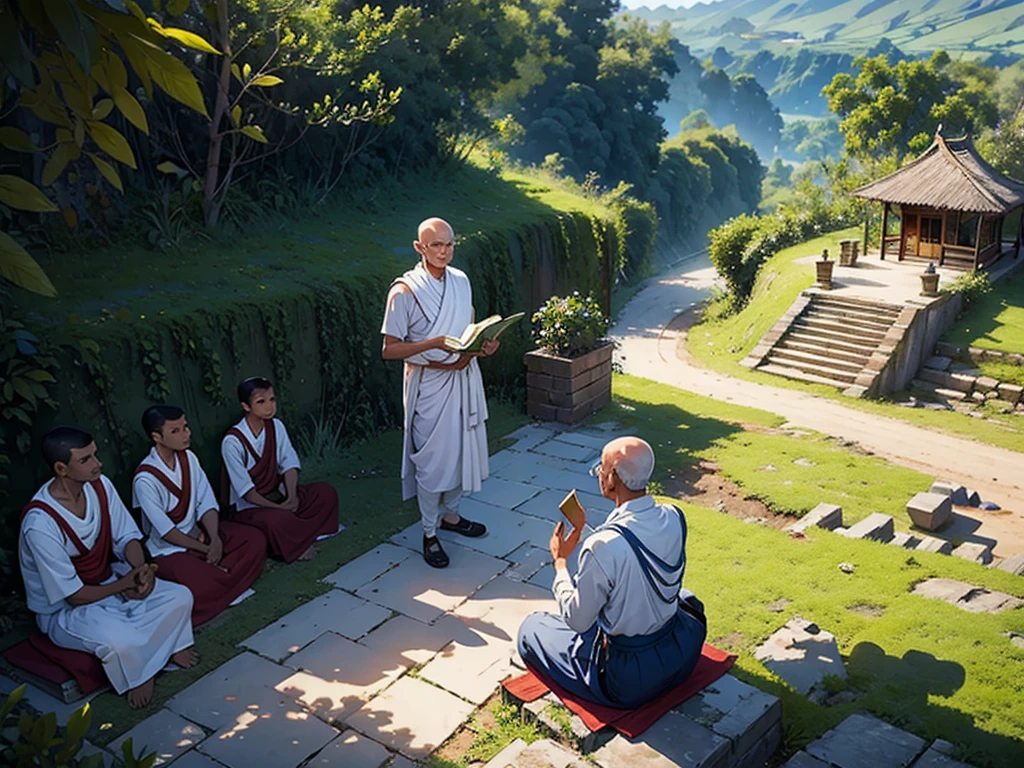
(186, 658)
(141, 696)
(309, 554)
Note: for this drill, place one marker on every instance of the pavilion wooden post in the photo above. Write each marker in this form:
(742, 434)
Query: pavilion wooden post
(977, 240)
(885, 227)
(867, 221)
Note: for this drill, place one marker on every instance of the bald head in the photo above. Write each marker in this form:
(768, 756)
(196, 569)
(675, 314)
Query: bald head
(632, 459)
(433, 227)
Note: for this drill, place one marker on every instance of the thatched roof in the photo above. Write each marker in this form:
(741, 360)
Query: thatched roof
(949, 175)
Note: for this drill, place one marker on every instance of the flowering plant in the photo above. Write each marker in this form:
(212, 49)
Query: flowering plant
(569, 326)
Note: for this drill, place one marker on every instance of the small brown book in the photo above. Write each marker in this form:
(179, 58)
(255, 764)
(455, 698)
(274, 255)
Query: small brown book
(573, 510)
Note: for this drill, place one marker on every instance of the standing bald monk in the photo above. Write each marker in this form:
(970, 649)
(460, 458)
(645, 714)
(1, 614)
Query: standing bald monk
(445, 448)
(627, 632)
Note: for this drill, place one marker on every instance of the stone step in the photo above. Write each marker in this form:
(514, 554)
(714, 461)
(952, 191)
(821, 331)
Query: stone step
(974, 551)
(957, 381)
(933, 544)
(1013, 564)
(830, 351)
(830, 339)
(847, 319)
(934, 389)
(864, 741)
(857, 303)
(876, 526)
(785, 352)
(837, 327)
(822, 369)
(799, 375)
(854, 314)
(827, 516)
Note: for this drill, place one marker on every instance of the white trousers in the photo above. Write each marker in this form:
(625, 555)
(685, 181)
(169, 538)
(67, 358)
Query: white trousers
(434, 504)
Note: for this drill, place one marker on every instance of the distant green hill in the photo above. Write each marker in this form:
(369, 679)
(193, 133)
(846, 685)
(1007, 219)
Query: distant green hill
(795, 47)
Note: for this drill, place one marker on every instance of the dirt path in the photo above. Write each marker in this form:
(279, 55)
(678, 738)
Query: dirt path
(652, 328)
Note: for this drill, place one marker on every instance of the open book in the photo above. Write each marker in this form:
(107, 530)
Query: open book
(472, 339)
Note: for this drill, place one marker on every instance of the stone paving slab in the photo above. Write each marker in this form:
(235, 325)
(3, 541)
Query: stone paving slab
(674, 741)
(335, 676)
(507, 755)
(587, 440)
(530, 435)
(480, 655)
(546, 753)
(368, 566)
(974, 551)
(803, 760)
(417, 590)
(350, 750)
(737, 711)
(504, 493)
(88, 748)
(864, 741)
(802, 654)
(967, 596)
(336, 611)
(506, 530)
(412, 642)
(526, 561)
(167, 734)
(1013, 564)
(568, 451)
(937, 757)
(412, 717)
(502, 459)
(236, 686)
(548, 473)
(545, 505)
(274, 730)
(195, 759)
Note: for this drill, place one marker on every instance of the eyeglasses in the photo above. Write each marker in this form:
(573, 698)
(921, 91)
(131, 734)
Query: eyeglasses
(596, 470)
(439, 245)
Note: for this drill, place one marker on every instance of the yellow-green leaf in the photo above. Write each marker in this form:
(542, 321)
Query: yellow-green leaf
(183, 36)
(265, 81)
(79, 132)
(56, 164)
(115, 70)
(176, 7)
(16, 139)
(131, 109)
(175, 78)
(236, 72)
(246, 71)
(70, 217)
(77, 99)
(75, 30)
(255, 133)
(21, 269)
(102, 109)
(168, 167)
(134, 49)
(112, 142)
(236, 114)
(47, 107)
(40, 375)
(107, 171)
(136, 11)
(18, 193)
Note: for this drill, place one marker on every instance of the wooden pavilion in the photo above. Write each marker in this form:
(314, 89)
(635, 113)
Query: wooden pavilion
(951, 206)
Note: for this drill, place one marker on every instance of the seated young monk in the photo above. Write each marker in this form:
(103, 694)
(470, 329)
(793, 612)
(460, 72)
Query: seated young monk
(627, 632)
(262, 471)
(216, 559)
(86, 577)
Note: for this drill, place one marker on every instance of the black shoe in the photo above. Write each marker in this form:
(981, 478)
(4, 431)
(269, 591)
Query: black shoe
(433, 553)
(465, 527)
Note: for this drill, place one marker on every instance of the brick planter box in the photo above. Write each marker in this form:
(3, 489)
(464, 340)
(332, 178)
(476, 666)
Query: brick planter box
(568, 389)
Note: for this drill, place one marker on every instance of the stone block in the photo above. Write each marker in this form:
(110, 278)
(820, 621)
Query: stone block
(938, 362)
(933, 544)
(570, 728)
(828, 516)
(1010, 392)
(975, 552)
(985, 384)
(950, 590)
(1013, 564)
(761, 752)
(803, 760)
(929, 511)
(508, 755)
(368, 566)
(981, 600)
(876, 526)
(350, 750)
(973, 499)
(502, 493)
(904, 540)
(864, 741)
(165, 733)
(802, 654)
(948, 350)
(957, 493)
(739, 712)
(937, 758)
(674, 741)
(412, 717)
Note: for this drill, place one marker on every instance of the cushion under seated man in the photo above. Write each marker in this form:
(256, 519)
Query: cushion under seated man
(627, 631)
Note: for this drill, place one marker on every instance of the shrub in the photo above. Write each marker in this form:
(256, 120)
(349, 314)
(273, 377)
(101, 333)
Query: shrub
(569, 326)
(971, 287)
(636, 227)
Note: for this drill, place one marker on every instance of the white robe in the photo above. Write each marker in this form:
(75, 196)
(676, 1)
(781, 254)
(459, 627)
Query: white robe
(238, 460)
(133, 638)
(445, 410)
(155, 501)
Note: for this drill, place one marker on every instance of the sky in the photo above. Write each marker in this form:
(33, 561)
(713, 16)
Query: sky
(656, 3)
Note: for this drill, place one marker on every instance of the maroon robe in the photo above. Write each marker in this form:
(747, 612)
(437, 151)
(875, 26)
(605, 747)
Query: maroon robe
(213, 587)
(288, 533)
(37, 653)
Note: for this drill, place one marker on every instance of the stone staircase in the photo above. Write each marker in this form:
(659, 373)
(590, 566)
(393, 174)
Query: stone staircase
(829, 341)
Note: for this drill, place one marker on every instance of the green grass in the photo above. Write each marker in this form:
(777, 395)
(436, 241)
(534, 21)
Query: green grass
(996, 321)
(920, 664)
(721, 342)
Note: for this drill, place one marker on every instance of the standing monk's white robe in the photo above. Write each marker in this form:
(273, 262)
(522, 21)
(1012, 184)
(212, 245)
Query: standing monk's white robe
(445, 410)
(133, 639)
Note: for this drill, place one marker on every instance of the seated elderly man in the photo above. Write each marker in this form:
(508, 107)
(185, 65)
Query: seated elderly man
(627, 632)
